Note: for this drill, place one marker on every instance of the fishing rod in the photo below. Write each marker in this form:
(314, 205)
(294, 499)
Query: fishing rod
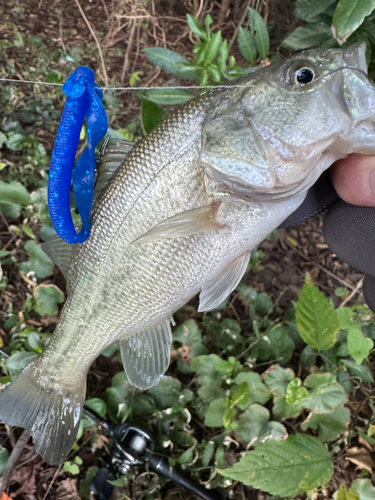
(129, 446)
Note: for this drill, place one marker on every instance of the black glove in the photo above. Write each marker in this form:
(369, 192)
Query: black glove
(348, 230)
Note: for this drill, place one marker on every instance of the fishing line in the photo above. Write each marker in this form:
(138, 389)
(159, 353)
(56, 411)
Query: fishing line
(178, 87)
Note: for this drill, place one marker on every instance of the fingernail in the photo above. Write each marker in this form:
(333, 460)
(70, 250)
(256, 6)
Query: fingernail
(372, 183)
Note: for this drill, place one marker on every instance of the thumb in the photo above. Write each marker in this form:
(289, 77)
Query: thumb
(354, 179)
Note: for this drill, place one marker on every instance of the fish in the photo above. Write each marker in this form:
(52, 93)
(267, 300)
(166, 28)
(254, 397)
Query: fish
(178, 214)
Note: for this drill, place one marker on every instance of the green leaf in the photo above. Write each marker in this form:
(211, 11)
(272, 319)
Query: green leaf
(316, 318)
(195, 27)
(275, 344)
(215, 413)
(212, 48)
(3, 139)
(308, 10)
(187, 456)
(15, 141)
(39, 262)
(4, 455)
(359, 346)
(209, 378)
(10, 210)
(282, 410)
(223, 56)
(360, 371)
(152, 115)
(47, 299)
(295, 393)
(169, 96)
(329, 425)
(97, 405)
(312, 35)
(167, 60)
(326, 394)
(259, 30)
(246, 44)
(166, 393)
(364, 488)
(19, 360)
(277, 379)
(254, 426)
(286, 468)
(34, 340)
(258, 391)
(348, 16)
(344, 494)
(71, 467)
(14, 193)
(208, 453)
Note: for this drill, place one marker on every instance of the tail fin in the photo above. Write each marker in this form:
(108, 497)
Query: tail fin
(49, 411)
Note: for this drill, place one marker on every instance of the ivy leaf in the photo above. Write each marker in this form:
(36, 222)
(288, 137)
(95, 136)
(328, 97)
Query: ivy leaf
(39, 261)
(282, 410)
(326, 394)
(254, 426)
(259, 29)
(276, 343)
(295, 392)
(277, 379)
(329, 425)
(166, 393)
(47, 299)
(258, 392)
(246, 44)
(359, 346)
(286, 468)
(209, 378)
(215, 413)
(97, 405)
(364, 488)
(316, 318)
(344, 494)
(312, 35)
(13, 196)
(348, 16)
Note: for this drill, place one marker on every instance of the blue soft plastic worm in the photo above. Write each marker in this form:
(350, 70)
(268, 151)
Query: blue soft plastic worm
(83, 99)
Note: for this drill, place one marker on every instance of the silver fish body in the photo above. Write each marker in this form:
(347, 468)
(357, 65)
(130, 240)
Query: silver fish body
(181, 216)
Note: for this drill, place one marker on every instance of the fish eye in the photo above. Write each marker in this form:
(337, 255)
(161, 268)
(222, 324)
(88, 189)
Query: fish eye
(304, 75)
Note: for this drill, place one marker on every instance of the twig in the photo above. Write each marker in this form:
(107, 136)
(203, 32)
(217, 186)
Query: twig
(349, 297)
(96, 41)
(223, 10)
(128, 51)
(52, 481)
(238, 27)
(12, 460)
(199, 11)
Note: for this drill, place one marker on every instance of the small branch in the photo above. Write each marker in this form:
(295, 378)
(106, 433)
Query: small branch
(223, 10)
(12, 460)
(238, 27)
(349, 297)
(128, 51)
(52, 481)
(96, 41)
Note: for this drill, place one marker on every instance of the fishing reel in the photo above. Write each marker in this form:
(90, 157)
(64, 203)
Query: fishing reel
(131, 446)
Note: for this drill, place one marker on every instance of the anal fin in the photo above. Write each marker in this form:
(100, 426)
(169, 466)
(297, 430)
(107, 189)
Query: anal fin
(145, 355)
(218, 288)
(197, 220)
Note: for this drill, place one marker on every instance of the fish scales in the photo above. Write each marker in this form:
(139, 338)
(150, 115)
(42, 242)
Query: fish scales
(181, 215)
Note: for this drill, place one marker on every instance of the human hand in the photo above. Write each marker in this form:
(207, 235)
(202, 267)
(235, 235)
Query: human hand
(349, 223)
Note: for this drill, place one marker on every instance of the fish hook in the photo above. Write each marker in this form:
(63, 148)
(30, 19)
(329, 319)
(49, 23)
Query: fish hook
(83, 99)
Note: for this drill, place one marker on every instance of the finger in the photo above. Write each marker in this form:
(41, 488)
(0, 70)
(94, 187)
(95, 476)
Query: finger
(354, 179)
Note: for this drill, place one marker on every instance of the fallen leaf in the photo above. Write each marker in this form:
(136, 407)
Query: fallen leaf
(4, 496)
(360, 457)
(67, 490)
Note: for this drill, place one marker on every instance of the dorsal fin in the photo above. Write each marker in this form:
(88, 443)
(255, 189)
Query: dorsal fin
(60, 252)
(115, 153)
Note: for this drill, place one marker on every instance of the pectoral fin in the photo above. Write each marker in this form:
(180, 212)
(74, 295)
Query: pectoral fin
(217, 289)
(145, 355)
(198, 220)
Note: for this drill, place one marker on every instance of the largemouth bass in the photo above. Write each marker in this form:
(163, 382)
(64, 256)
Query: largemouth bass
(180, 215)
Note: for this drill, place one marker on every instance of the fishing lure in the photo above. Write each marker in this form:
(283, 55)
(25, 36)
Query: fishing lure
(83, 100)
